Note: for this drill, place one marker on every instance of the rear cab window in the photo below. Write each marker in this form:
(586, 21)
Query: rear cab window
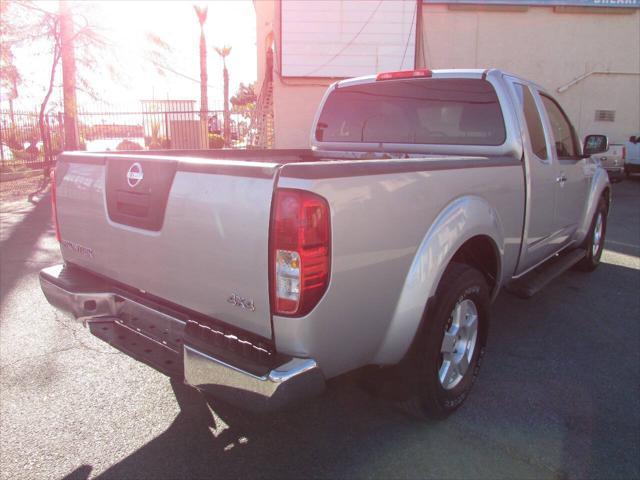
(564, 136)
(438, 111)
(533, 121)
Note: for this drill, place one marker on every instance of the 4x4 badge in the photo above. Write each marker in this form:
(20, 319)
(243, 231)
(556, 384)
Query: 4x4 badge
(241, 302)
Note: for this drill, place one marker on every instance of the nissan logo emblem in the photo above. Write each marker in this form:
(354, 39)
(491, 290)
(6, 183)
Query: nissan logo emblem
(134, 175)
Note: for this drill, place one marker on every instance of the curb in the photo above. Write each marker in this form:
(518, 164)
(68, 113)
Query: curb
(7, 177)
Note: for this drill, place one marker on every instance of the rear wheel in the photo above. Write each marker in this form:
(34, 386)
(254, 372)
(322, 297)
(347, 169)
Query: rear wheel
(446, 356)
(594, 243)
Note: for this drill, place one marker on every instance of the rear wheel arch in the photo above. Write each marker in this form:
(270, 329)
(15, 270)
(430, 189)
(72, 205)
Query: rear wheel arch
(481, 253)
(468, 228)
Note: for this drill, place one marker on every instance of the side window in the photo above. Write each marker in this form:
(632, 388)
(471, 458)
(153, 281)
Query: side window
(534, 124)
(563, 135)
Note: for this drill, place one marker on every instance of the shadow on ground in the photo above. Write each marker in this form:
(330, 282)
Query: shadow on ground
(21, 250)
(558, 396)
(623, 232)
(547, 405)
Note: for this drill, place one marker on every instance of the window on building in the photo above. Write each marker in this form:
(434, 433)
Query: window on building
(416, 111)
(605, 115)
(534, 123)
(563, 134)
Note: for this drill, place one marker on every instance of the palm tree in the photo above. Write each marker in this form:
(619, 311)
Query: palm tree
(201, 12)
(224, 52)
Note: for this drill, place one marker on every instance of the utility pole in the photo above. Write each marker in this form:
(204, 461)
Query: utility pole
(68, 58)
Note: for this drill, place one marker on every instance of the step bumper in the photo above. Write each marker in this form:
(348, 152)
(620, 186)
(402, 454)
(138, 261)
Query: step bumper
(160, 338)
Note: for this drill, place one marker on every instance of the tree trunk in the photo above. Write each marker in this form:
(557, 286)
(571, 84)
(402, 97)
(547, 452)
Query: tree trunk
(11, 116)
(46, 144)
(204, 103)
(227, 117)
(68, 77)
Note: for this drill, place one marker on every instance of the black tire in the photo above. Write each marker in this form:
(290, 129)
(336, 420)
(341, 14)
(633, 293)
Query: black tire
(428, 399)
(592, 259)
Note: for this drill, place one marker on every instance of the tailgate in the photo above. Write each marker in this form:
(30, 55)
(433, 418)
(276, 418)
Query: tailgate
(189, 231)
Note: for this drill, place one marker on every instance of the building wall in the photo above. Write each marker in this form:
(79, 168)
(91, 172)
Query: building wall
(295, 100)
(552, 46)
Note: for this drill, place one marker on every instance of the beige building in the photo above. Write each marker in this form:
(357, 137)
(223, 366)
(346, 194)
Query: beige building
(587, 52)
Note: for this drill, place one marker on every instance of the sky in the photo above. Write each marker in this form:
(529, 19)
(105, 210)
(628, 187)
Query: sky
(125, 24)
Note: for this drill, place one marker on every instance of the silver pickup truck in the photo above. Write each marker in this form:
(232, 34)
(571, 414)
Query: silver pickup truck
(258, 275)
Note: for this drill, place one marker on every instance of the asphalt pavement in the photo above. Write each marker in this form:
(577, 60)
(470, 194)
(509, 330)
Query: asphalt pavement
(558, 395)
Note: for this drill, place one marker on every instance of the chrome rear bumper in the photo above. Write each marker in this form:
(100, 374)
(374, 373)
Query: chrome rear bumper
(157, 336)
(292, 381)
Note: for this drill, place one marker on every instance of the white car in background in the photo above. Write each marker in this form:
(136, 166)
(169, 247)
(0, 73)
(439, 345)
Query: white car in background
(632, 161)
(613, 161)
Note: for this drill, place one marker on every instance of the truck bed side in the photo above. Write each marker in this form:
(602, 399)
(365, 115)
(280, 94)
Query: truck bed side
(382, 212)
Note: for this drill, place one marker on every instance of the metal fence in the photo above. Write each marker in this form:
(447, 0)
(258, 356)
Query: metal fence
(158, 129)
(25, 145)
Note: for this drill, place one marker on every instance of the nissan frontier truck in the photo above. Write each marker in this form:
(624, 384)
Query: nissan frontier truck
(257, 275)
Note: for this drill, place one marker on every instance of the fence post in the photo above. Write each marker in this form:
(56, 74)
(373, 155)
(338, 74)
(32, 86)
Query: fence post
(1, 142)
(166, 132)
(63, 143)
(49, 159)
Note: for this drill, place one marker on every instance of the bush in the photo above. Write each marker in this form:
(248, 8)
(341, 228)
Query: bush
(216, 141)
(13, 143)
(159, 143)
(128, 145)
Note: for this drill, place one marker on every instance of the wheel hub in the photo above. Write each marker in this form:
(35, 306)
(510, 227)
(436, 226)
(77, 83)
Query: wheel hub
(458, 343)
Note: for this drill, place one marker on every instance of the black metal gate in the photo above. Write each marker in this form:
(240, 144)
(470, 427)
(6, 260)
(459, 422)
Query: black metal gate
(27, 144)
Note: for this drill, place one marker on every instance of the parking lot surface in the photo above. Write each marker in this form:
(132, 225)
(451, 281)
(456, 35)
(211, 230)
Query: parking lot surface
(558, 395)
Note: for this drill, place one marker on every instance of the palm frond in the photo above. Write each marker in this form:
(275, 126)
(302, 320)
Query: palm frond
(201, 12)
(223, 51)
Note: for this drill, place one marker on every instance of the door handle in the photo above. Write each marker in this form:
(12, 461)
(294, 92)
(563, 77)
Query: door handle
(561, 179)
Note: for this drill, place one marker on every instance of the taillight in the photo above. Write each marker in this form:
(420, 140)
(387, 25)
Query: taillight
(54, 204)
(300, 251)
(423, 72)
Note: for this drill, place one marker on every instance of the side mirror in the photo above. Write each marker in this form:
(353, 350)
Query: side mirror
(595, 144)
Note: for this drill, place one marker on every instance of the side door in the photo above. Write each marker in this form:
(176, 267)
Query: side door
(574, 175)
(541, 176)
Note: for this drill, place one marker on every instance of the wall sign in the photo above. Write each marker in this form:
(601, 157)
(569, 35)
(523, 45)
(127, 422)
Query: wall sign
(347, 38)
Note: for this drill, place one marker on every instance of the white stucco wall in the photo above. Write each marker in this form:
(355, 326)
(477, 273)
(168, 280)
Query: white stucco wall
(552, 49)
(539, 43)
